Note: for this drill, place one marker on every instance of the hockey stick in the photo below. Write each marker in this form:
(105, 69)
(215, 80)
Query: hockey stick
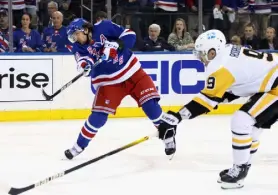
(49, 97)
(15, 191)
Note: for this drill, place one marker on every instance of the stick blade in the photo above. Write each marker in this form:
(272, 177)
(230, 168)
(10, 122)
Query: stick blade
(45, 95)
(15, 191)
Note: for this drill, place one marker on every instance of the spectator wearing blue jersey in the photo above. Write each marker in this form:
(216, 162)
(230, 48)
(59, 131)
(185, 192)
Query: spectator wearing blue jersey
(25, 38)
(55, 38)
(4, 31)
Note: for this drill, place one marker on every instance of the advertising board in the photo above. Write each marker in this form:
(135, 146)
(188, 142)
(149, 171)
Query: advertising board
(22, 79)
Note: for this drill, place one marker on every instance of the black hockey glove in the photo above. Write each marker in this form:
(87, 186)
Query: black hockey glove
(168, 128)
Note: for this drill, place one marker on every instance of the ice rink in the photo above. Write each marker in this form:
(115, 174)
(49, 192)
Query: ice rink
(31, 151)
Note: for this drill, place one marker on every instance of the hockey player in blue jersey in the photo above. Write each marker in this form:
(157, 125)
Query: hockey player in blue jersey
(120, 74)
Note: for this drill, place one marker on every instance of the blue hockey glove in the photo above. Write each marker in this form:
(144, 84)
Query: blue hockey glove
(85, 65)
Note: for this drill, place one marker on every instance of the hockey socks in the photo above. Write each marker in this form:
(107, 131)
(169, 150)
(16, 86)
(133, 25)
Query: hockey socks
(95, 121)
(153, 110)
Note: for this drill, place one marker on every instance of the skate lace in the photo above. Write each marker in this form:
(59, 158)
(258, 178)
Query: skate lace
(234, 171)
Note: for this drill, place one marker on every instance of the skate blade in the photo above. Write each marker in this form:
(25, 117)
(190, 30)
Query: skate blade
(170, 157)
(226, 186)
(219, 180)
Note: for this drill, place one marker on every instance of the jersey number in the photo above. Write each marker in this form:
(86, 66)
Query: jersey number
(210, 82)
(259, 55)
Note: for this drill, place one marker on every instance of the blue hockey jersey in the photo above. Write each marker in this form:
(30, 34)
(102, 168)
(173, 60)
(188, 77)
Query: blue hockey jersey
(56, 38)
(115, 70)
(4, 40)
(32, 40)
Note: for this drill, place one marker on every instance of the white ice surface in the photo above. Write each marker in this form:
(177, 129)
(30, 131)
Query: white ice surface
(31, 151)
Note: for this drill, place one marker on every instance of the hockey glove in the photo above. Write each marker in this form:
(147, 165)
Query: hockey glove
(110, 50)
(169, 124)
(85, 65)
(87, 70)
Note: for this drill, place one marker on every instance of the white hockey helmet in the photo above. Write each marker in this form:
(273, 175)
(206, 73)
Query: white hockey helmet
(211, 39)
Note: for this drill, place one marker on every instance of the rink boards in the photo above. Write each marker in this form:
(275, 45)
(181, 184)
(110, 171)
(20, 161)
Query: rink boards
(178, 77)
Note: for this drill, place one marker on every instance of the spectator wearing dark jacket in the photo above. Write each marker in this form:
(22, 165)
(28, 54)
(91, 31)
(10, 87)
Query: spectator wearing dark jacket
(249, 38)
(270, 42)
(154, 42)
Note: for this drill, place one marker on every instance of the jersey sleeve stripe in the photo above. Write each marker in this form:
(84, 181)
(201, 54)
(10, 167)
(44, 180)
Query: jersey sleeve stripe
(119, 75)
(127, 32)
(267, 79)
(215, 99)
(202, 102)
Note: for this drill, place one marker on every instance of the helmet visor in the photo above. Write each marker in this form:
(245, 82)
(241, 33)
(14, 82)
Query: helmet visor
(72, 37)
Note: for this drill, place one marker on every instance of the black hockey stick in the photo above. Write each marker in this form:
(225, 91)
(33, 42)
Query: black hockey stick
(49, 97)
(15, 191)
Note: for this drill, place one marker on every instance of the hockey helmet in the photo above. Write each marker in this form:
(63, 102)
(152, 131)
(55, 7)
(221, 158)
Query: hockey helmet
(76, 25)
(211, 39)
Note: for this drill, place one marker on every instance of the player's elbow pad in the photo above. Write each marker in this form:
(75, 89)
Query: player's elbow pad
(192, 110)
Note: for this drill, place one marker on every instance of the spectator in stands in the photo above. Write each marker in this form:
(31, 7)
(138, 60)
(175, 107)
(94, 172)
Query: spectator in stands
(31, 8)
(26, 39)
(235, 40)
(55, 38)
(4, 31)
(154, 42)
(45, 17)
(68, 14)
(270, 42)
(238, 15)
(101, 16)
(249, 38)
(63, 4)
(180, 38)
(262, 9)
(274, 17)
(18, 7)
(208, 6)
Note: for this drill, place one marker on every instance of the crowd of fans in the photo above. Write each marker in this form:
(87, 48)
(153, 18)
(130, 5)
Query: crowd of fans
(160, 25)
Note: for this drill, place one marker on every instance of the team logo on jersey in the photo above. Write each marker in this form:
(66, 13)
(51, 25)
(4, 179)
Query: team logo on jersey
(93, 51)
(48, 39)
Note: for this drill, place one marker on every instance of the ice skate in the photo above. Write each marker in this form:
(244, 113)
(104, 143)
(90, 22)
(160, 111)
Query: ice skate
(170, 144)
(234, 177)
(227, 170)
(73, 152)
